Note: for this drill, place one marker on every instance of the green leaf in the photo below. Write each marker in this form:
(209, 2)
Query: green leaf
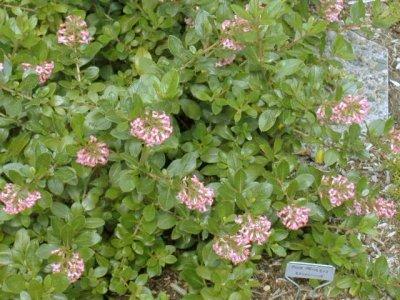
(305, 181)
(331, 157)
(345, 282)
(278, 249)
(127, 181)
(170, 84)
(191, 109)
(191, 277)
(190, 226)
(204, 272)
(5, 255)
(45, 250)
(183, 166)
(22, 240)
(357, 11)
(55, 186)
(59, 282)
(100, 272)
(87, 239)
(165, 221)
(201, 92)
(60, 210)
(288, 67)
(66, 175)
(282, 170)
(267, 119)
(93, 223)
(17, 144)
(149, 213)
(380, 268)
(15, 283)
(342, 48)
(166, 196)
(279, 235)
(95, 120)
(368, 224)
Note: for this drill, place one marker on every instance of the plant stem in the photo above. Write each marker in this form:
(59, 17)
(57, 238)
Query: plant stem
(87, 185)
(11, 91)
(201, 52)
(20, 7)
(78, 71)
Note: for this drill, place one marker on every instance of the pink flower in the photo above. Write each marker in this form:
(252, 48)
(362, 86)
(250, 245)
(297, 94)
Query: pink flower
(321, 114)
(225, 61)
(73, 265)
(358, 209)
(294, 217)
(17, 200)
(56, 267)
(384, 208)
(395, 141)
(237, 23)
(333, 8)
(43, 71)
(338, 189)
(231, 44)
(226, 25)
(255, 230)
(195, 195)
(153, 128)
(351, 110)
(229, 248)
(73, 31)
(1, 67)
(95, 153)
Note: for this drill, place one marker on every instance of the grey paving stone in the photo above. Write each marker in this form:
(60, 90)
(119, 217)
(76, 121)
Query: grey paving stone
(371, 68)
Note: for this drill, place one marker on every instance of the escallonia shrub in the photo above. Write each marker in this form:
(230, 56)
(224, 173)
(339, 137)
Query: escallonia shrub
(198, 136)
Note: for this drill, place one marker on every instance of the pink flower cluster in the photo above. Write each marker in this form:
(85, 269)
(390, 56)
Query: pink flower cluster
(43, 71)
(381, 207)
(294, 217)
(231, 26)
(351, 110)
(339, 189)
(333, 8)
(231, 44)
(358, 209)
(237, 23)
(195, 195)
(73, 32)
(384, 208)
(95, 153)
(153, 128)
(255, 230)
(395, 141)
(73, 265)
(236, 248)
(1, 67)
(17, 200)
(229, 248)
(225, 61)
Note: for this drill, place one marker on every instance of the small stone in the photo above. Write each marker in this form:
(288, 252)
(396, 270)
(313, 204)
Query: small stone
(266, 288)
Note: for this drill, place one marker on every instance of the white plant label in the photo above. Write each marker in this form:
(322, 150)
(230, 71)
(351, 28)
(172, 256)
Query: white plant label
(310, 271)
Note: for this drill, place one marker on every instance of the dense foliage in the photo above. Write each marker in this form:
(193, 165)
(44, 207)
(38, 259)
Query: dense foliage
(190, 134)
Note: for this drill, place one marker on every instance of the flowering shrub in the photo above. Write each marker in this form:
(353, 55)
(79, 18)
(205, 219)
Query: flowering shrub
(196, 136)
